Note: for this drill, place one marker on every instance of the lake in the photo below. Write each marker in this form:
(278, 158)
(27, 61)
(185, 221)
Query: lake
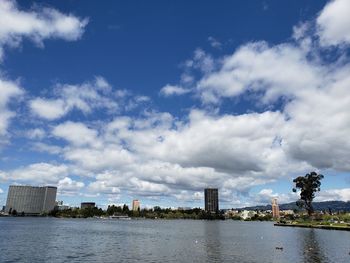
(96, 240)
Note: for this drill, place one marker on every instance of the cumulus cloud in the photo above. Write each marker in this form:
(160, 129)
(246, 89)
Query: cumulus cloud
(158, 155)
(37, 24)
(334, 195)
(41, 173)
(324, 144)
(297, 79)
(84, 97)
(169, 90)
(266, 195)
(214, 42)
(47, 148)
(222, 143)
(67, 186)
(154, 154)
(101, 187)
(36, 133)
(281, 70)
(201, 61)
(76, 133)
(188, 196)
(8, 90)
(333, 23)
(48, 109)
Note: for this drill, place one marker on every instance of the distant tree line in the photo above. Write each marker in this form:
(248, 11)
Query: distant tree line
(154, 213)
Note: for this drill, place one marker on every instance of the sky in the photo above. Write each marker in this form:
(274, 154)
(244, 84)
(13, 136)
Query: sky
(156, 100)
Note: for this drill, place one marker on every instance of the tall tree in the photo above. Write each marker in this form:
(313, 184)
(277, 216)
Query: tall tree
(308, 185)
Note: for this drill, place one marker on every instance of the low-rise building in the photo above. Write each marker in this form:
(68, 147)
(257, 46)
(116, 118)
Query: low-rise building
(87, 205)
(231, 213)
(247, 214)
(286, 212)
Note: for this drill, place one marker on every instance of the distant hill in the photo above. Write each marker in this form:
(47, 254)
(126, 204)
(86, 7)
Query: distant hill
(318, 206)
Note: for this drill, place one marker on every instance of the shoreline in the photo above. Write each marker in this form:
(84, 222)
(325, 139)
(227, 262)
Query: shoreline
(326, 227)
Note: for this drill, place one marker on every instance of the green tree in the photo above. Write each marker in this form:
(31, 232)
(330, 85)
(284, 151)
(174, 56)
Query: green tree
(125, 208)
(308, 185)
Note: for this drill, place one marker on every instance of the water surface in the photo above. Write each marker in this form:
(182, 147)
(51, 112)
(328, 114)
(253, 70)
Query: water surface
(97, 240)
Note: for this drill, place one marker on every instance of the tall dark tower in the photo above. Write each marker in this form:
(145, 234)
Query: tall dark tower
(211, 200)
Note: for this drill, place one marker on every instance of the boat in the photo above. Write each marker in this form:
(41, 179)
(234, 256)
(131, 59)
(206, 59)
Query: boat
(120, 217)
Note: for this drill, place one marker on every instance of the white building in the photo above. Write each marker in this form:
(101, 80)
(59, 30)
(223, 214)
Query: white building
(246, 214)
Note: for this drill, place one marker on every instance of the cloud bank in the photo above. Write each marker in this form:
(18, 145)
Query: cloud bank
(299, 121)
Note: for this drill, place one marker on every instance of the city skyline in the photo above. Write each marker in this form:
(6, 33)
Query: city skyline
(116, 101)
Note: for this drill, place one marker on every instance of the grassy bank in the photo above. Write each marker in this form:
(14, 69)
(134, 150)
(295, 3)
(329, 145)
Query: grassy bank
(318, 225)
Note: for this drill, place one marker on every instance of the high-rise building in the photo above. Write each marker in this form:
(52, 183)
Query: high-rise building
(275, 209)
(31, 200)
(135, 205)
(211, 200)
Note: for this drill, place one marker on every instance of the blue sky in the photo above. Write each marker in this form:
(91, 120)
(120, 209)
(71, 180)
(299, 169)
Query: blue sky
(156, 100)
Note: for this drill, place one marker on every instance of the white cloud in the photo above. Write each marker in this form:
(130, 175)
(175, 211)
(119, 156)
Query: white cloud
(76, 133)
(101, 187)
(102, 84)
(41, 173)
(84, 97)
(1, 191)
(188, 196)
(232, 144)
(37, 25)
(108, 157)
(334, 195)
(201, 61)
(265, 197)
(333, 23)
(214, 42)
(67, 186)
(48, 109)
(256, 67)
(157, 154)
(42, 147)
(36, 133)
(304, 84)
(169, 90)
(318, 127)
(8, 90)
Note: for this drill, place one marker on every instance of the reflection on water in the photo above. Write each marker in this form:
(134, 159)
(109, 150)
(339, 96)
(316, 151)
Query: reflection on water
(212, 236)
(89, 240)
(312, 251)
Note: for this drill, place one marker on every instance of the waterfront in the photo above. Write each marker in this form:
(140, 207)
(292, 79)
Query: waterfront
(96, 240)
